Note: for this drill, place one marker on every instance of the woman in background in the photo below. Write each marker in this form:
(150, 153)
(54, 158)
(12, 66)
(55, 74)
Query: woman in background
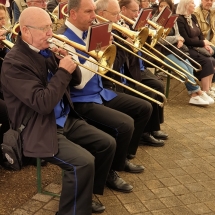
(189, 29)
(197, 96)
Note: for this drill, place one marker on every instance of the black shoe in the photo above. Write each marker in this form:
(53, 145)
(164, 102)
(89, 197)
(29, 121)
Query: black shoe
(149, 140)
(97, 207)
(130, 156)
(160, 135)
(130, 167)
(116, 183)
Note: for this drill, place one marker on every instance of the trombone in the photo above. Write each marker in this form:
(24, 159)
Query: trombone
(138, 41)
(105, 64)
(154, 25)
(65, 41)
(138, 38)
(147, 52)
(127, 32)
(154, 34)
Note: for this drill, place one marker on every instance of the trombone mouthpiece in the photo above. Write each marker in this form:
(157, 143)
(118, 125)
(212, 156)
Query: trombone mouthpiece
(49, 40)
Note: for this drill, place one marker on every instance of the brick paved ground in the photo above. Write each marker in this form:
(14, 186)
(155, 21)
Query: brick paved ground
(179, 178)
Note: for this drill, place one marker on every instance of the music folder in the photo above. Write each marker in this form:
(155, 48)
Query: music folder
(98, 36)
(60, 6)
(141, 20)
(171, 21)
(163, 16)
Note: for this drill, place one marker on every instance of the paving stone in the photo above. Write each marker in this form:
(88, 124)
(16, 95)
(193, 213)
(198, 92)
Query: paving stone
(179, 189)
(171, 201)
(53, 205)
(22, 212)
(154, 204)
(45, 212)
(41, 197)
(54, 188)
(162, 192)
(199, 208)
(135, 207)
(33, 205)
(162, 212)
(188, 198)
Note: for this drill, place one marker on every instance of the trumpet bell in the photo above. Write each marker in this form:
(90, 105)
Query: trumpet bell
(107, 58)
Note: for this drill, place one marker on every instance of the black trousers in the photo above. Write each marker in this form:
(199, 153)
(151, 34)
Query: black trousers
(124, 117)
(86, 161)
(150, 80)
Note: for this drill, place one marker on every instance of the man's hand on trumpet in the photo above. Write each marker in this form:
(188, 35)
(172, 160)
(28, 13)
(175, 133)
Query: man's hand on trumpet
(66, 62)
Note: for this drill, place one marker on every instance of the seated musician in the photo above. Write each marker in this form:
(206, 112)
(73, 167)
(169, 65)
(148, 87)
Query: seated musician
(110, 111)
(133, 67)
(197, 96)
(35, 80)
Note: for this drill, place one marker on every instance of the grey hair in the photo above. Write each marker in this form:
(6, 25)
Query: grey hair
(101, 5)
(182, 7)
(74, 4)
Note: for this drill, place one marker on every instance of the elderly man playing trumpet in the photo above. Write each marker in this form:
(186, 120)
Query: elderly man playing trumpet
(35, 81)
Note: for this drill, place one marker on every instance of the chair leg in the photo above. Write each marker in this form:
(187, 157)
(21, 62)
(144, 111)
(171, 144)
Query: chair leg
(39, 180)
(167, 85)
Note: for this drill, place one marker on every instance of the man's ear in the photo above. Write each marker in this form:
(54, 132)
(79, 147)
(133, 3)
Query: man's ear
(123, 8)
(72, 14)
(100, 13)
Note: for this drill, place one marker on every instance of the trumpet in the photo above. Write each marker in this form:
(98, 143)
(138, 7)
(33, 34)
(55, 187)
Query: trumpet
(65, 41)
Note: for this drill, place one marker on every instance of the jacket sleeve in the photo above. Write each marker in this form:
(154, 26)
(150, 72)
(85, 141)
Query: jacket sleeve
(183, 30)
(21, 81)
(76, 77)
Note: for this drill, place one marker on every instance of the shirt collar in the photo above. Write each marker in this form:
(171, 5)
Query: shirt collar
(32, 47)
(77, 31)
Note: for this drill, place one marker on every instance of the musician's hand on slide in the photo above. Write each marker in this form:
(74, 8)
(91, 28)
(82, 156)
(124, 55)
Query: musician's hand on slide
(68, 64)
(59, 52)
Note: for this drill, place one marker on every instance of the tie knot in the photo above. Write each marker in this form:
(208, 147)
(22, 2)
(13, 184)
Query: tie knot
(45, 53)
(84, 36)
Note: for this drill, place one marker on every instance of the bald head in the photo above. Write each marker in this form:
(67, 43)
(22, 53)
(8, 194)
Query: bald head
(32, 16)
(36, 27)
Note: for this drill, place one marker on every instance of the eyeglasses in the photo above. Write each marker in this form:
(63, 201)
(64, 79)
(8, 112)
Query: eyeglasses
(113, 13)
(44, 29)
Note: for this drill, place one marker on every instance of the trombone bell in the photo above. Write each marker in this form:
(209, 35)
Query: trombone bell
(107, 58)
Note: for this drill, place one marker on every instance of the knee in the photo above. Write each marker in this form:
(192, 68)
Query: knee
(160, 86)
(126, 125)
(107, 143)
(146, 107)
